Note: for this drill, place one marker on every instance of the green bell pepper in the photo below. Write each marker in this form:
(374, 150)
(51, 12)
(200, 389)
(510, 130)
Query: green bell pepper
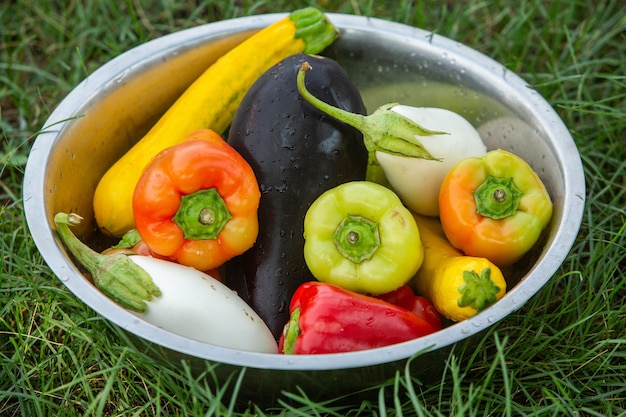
(359, 236)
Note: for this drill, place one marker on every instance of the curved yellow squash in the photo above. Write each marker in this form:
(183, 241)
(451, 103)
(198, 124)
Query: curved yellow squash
(210, 102)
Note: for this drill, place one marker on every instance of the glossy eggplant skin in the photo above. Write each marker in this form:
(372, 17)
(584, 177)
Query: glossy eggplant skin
(297, 153)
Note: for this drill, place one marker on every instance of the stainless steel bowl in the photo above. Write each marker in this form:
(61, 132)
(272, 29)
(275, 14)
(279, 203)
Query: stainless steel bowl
(111, 109)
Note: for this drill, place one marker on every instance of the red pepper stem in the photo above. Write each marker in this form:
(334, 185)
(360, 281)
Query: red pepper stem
(115, 275)
(384, 130)
(202, 214)
(291, 332)
(497, 198)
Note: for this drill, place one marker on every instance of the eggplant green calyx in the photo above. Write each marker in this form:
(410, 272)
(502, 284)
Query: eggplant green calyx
(116, 275)
(202, 214)
(478, 291)
(384, 130)
(497, 198)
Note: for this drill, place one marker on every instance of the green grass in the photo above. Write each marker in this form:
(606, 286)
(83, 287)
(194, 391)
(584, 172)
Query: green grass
(563, 353)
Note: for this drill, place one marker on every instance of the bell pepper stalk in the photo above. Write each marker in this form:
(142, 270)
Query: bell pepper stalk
(418, 181)
(358, 235)
(494, 206)
(197, 201)
(384, 130)
(175, 297)
(419, 305)
(459, 286)
(326, 318)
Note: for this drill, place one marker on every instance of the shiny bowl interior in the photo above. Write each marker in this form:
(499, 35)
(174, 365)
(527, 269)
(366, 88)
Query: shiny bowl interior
(111, 109)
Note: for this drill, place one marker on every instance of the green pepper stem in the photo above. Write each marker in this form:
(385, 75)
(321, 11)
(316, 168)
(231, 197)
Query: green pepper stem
(357, 238)
(478, 291)
(497, 198)
(384, 130)
(202, 214)
(115, 275)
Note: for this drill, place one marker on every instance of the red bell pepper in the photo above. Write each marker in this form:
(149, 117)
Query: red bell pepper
(326, 318)
(421, 306)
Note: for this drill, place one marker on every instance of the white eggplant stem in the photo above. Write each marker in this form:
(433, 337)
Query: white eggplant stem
(383, 130)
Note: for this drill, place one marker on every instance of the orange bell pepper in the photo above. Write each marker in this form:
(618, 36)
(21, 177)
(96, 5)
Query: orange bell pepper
(197, 202)
(494, 207)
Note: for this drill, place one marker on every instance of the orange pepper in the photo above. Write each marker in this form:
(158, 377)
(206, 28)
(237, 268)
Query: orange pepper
(197, 202)
(494, 206)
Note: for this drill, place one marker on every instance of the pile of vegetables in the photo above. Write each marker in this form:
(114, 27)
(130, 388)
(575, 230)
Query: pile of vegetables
(266, 211)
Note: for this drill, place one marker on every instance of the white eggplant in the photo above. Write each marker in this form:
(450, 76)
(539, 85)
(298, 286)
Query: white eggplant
(177, 298)
(414, 168)
(198, 306)
(417, 181)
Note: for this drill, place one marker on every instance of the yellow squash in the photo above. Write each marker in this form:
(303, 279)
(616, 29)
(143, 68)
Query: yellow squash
(210, 102)
(459, 286)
